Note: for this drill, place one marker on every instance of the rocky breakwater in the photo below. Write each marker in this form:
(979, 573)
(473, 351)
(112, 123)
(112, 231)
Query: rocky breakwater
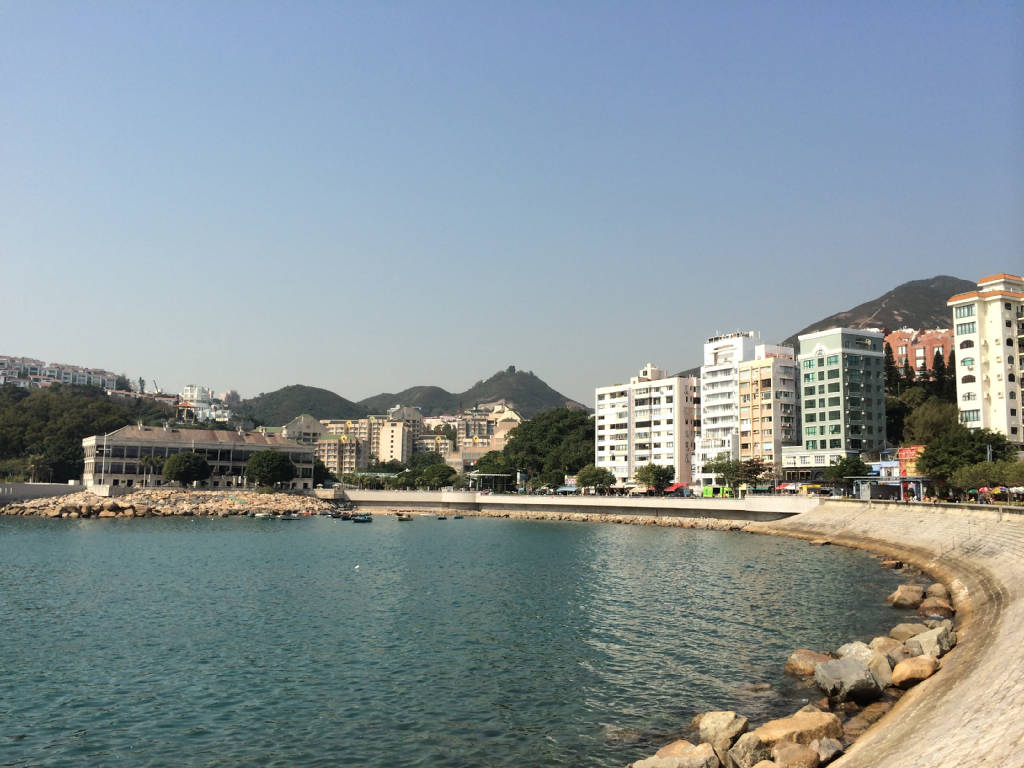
(169, 502)
(665, 520)
(860, 682)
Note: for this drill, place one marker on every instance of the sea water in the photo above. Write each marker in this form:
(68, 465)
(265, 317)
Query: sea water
(472, 642)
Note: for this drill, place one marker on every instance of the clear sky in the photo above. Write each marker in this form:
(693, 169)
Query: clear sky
(373, 195)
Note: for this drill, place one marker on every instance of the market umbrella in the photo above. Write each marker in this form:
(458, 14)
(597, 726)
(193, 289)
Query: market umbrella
(972, 492)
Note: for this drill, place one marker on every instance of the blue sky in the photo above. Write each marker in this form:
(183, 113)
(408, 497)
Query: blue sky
(369, 196)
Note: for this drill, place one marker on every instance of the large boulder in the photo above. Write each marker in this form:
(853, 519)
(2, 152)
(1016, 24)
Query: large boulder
(828, 749)
(802, 662)
(803, 728)
(701, 756)
(910, 672)
(937, 590)
(906, 596)
(721, 729)
(893, 650)
(935, 608)
(847, 680)
(788, 754)
(107, 513)
(855, 650)
(904, 632)
(855, 726)
(749, 750)
(677, 748)
(881, 670)
(935, 642)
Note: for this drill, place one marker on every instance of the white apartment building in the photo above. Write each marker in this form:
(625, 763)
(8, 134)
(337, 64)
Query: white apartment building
(647, 421)
(988, 328)
(719, 399)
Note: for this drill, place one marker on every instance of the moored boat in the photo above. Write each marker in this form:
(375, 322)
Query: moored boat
(362, 519)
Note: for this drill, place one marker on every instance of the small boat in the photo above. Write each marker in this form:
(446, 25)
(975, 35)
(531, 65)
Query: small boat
(362, 519)
(262, 515)
(288, 516)
(457, 517)
(404, 517)
(442, 517)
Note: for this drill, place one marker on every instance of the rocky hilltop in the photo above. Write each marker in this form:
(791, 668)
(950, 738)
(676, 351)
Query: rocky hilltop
(169, 502)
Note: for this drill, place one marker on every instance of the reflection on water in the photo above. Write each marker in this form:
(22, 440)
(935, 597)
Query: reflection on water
(461, 643)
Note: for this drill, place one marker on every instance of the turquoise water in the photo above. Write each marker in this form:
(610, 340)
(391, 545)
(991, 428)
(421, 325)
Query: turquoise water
(475, 642)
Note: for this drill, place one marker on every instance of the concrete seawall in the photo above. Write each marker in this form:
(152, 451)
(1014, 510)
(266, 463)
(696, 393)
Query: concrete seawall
(750, 509)
(971, 712)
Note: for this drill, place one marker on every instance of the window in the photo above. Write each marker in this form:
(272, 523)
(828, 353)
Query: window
(902, 349)
(970, 396)
(834, 415)
(967, 380)
(835, 443)
(966, 416)
(834, 387)
(966, 311)
(808, 364)
(1009, 342)
(832, 360)
(967, 361)
(962, 328)
(966, 344)
(810, 418)
(833, 401)
(1010, 377)
(834, 373)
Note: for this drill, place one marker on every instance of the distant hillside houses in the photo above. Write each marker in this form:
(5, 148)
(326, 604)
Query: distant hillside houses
(347, 446)
(29, 372)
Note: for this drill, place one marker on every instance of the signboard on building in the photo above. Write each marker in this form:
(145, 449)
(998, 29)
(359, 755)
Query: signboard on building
(908, 459)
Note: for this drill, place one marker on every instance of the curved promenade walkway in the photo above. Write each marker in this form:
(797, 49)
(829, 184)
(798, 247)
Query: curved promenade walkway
(972, 712)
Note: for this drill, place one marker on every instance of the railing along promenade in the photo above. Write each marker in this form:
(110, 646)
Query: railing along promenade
(972, 712)
(750, 509)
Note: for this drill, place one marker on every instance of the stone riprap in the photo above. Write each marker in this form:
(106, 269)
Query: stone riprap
(169, 502)
(967, 713)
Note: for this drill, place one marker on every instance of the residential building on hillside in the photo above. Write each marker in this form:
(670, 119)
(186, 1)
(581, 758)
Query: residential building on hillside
(769, 404)
(303, 429)
(29, 372)
(647, 421)
(842, 400)
(341, 454)
(479, 431)
(719, 400)
(119, 458)
(989, 337)
(919, 347)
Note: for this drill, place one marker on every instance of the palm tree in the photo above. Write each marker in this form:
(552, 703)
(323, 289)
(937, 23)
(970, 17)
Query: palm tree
(153, 464)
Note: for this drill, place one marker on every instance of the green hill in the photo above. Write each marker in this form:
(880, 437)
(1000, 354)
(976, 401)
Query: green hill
(523, 391)
(277, 408)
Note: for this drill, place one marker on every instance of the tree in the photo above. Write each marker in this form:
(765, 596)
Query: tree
(726, 471)
(755, 470)
(153, 466)
(959, 447)
(907, 375)
(269, 468)
(655, 476)
(38, 467)
(895, 418)
(186, 468)
(420, 461)
(493, 463)
(940, 377)
(437, 476)
(595, 477)
(122, 384)
(892, 373)
(322, 475)
(850, 466)
(554, 443)
(930, 419)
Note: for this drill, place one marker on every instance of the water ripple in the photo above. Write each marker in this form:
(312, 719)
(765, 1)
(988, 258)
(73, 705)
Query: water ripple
(468, 643)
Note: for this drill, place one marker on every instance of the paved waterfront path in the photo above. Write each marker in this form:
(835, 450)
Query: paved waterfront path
(972, 712)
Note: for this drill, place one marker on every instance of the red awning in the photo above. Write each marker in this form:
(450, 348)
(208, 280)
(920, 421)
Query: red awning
(675, 487)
